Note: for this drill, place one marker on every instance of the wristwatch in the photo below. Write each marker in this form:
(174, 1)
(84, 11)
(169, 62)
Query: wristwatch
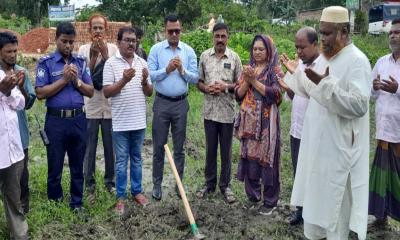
(79, 83)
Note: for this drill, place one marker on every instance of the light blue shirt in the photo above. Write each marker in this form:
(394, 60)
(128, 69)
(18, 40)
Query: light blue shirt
(22, 119)
(172, 84)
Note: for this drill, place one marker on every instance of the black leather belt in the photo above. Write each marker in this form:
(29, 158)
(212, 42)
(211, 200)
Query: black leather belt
(64, 113)
(174, 99)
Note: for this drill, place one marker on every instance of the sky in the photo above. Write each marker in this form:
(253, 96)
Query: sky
(81, 3)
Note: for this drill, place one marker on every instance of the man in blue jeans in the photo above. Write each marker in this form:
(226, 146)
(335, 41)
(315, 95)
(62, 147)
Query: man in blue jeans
(126, 81)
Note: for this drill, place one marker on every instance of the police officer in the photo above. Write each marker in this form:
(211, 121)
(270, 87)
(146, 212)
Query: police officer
(63, 78)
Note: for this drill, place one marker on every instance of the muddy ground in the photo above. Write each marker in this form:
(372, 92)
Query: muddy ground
(167, 220)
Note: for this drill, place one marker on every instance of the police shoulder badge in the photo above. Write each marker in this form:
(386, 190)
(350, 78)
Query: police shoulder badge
(40, 73)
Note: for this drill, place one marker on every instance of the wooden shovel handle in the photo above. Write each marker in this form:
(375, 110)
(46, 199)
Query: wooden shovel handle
(180, 186)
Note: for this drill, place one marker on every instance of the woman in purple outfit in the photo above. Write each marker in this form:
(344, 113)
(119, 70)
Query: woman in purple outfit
(257, 125)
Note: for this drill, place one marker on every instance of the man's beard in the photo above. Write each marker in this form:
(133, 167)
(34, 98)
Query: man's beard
(394, 47)
(10, 64)
(329, 52)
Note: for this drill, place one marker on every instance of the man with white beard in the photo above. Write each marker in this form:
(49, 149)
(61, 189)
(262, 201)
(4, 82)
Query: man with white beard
(332, 173)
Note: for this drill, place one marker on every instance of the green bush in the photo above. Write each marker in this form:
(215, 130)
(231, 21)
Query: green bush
(199, 40)
(372, 46)
(17, 24)
(361, 22)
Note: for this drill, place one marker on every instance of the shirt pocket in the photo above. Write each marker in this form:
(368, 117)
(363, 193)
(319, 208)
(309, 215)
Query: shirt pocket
(227, 71)
(56, 75)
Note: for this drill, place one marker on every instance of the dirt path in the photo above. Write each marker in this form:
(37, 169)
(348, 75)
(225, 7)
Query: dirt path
(217, 220)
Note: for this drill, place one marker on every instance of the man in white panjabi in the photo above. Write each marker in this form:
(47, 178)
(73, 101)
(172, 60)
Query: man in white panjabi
(331, 181)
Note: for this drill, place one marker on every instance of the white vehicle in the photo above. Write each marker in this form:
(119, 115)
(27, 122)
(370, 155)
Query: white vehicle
(380, 17)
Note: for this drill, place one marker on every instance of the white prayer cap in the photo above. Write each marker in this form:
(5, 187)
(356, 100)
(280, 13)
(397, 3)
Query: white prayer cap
(335, 14)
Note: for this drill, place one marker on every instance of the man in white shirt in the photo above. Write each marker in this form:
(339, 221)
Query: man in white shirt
(127, 82)
(306, 44)
(331, 180)
(98, 108)
(385, 171)
(12, 153)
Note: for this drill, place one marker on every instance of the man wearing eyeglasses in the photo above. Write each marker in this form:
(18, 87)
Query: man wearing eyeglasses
(63, 78)
(172, 65)
(127, 82)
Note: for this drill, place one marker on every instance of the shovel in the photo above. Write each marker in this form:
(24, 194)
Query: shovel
(195, 230)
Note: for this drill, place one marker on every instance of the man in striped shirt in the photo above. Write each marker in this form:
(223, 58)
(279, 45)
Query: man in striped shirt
(126, 80)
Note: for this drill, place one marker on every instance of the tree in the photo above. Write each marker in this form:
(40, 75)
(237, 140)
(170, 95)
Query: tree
(34, 10)
(188, 10)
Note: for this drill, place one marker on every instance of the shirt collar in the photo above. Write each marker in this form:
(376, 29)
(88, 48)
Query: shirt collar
(342, 51)
(213, 52)
(118, 55)
(313, 63)
(391, 58)
(166, 44)
(16, 67)
(58, 57)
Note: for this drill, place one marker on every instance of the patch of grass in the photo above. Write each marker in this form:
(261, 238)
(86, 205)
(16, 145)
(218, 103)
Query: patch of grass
(49, 220)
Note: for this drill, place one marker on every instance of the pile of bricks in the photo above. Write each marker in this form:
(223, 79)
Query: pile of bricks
(39, 39)
(35, 41)
(83, 36)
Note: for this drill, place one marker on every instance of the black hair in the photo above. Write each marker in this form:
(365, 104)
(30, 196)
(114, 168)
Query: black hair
(396, 21)
(170, 18)
(139, 32)
(220, 26)
(65, 28)
(311, 34)
(7, 38)
(123, 30)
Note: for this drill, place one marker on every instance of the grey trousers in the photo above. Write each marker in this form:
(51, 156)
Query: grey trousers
(11, 193)
(168, 114)
(90, 154)
(25, 183)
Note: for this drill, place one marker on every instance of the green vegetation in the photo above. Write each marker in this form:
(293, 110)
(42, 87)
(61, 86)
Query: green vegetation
(17, 24)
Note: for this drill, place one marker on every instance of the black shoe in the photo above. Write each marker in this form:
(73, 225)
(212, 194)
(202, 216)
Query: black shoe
(177, 192)
(266, 210)
(111, 188)
(157, 193)
(81, 213)
(296, 217)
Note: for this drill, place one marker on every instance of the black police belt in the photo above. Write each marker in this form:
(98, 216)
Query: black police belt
(64, 113)
(174, 99)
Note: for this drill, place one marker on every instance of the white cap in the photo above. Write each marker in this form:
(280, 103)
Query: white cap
(335, 14)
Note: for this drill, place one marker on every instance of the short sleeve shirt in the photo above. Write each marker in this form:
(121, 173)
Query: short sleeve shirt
(221, 107)
(97, 107)
(128, 107)
(51, 69)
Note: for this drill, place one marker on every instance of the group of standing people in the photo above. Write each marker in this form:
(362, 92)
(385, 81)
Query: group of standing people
(106, 85)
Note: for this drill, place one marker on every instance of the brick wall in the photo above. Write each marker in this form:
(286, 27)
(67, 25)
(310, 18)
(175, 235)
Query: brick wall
(38, 40)
(309, 15)
(83, 35)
